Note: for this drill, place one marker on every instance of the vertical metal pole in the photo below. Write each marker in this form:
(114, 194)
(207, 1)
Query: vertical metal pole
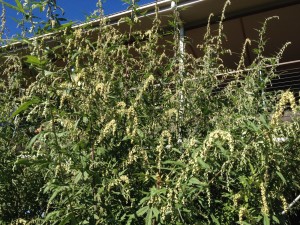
(181, 44)
(180, 53)
(291, 205)
(181, 74)
(173, 5)
(263, 92)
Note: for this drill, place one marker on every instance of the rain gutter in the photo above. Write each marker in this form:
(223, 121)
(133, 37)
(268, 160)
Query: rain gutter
(163, 6)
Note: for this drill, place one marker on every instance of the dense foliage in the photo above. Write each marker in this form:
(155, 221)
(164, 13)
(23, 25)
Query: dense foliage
(126, 129)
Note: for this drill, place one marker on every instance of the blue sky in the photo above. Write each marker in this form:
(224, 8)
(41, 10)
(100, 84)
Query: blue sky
(75, 10)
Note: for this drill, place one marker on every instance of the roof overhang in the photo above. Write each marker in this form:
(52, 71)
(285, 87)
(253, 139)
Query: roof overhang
(193, 13)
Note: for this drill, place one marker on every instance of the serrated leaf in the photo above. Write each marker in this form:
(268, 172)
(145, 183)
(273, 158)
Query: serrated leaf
(155, 212)
(143, 200)
(142, 210)
(149, 217)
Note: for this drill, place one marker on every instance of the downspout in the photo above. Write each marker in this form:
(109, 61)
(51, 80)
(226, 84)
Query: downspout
(181, 74)
(181, 50)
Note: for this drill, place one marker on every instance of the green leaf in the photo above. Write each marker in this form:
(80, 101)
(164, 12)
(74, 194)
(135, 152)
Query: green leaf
(13, 7)
(130, 218)
(22, 161)
(140, 133)
(144, 199)
(101, 151)
(155, 212)
(157, 191)
(85, 119)
(48, 73)
(52, 214)
(35, 61)
(176, 150)
(203, 164)
(263, 120)
(85, 175)
(25, 106)
(252, 126)
(69, 24)
(281, 177)
(149, 217)
(215, 220)
(178, 163)
(275, 219)
(219, 145)
(56, 192)
(142, 210)
(20, 6)
(32, 141)
(266, 220)
(244, 223)
(66, 219)
(194, 180)
(78, 177)
(75, 55)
